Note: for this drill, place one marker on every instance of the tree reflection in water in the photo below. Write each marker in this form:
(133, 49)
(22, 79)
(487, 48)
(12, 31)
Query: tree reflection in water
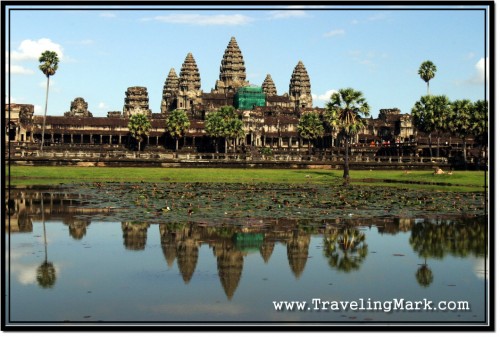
(345, 248)
(344, 244)
(436, 238)
(46, 272)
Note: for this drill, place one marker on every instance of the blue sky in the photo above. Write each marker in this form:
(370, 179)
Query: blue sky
(377, 51)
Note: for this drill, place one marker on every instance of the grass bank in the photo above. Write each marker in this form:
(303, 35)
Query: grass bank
(466, 181)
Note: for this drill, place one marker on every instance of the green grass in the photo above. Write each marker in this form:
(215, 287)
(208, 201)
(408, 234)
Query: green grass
(43, 175)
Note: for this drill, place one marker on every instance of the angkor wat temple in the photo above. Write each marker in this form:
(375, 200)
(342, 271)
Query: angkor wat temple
(270, 120)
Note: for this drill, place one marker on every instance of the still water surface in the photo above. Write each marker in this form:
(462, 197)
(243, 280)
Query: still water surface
(65, 266)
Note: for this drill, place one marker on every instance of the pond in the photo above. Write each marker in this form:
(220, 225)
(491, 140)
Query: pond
(86, 256)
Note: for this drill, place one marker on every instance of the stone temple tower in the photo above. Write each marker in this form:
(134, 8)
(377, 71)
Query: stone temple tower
(136, 102)
(300, 87)
(189, 92)
(170, 90)
(268, 86)
(232, 70)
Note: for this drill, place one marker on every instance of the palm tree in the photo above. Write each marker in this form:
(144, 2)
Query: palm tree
(310, 127)
(139, 126)
(214, 126)
(427, 71)
(350, 107)
(234, 129)
(430, 115)
(460, 121)
(49, 64)
(177, 124)
(479, 123)
(332, 120)
(224, 123)
(424, 275)
(345, 248)
(46, 272)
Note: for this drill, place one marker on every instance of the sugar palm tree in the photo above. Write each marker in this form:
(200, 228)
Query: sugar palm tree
(139, 126)
(310, 127)
(427, 71)
(350, 107)
(430, 114)
(46, 272)
(345, 248)
(460, 121)
(177, 124)
(479, 123)
(223, 123)
(48, 65)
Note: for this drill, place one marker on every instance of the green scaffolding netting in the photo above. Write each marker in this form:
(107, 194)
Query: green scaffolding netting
(249, 97)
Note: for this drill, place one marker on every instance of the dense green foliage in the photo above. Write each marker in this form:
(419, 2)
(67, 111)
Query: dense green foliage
(224, 123)
(177, 123)
(139, 126)
(310, 127)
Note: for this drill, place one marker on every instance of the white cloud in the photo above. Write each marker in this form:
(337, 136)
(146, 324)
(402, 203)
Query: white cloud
(335, 32)
(204, 20)
(31, 50)
(325, 96)
(481, 71)
(102, 106)
(38, 109)
(20, 70)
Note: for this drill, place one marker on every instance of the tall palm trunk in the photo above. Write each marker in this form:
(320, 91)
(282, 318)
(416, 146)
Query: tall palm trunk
(346, 158)
(438, 145)
(430, 146)
(45, 113)
(465, 150)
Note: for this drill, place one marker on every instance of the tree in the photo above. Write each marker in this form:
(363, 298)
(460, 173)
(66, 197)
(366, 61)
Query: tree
(223, 123)
(46, 272)
(460, 122)
(350, 107)
(139, 126)
(431, 114)
(479, 123)
(49, 64)
(427, 71)
(331, 119)
(177, 124)
(345, 248)
(214, 126)
(310, 127)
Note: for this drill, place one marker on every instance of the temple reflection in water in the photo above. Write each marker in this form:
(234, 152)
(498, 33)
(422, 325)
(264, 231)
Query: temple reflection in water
(344, 245)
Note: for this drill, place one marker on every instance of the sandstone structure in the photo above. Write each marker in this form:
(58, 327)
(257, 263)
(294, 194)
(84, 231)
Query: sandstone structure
(136, 102)
(269, 120)
(78, 108)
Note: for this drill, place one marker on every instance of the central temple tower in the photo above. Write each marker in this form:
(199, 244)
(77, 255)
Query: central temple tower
(300, 87)
(232, 70)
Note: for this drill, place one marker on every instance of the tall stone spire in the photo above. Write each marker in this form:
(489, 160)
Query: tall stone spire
(232, 70)
(169, 91)
(268, 86)
(136, 102)
(300, 87)
(189, 84)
